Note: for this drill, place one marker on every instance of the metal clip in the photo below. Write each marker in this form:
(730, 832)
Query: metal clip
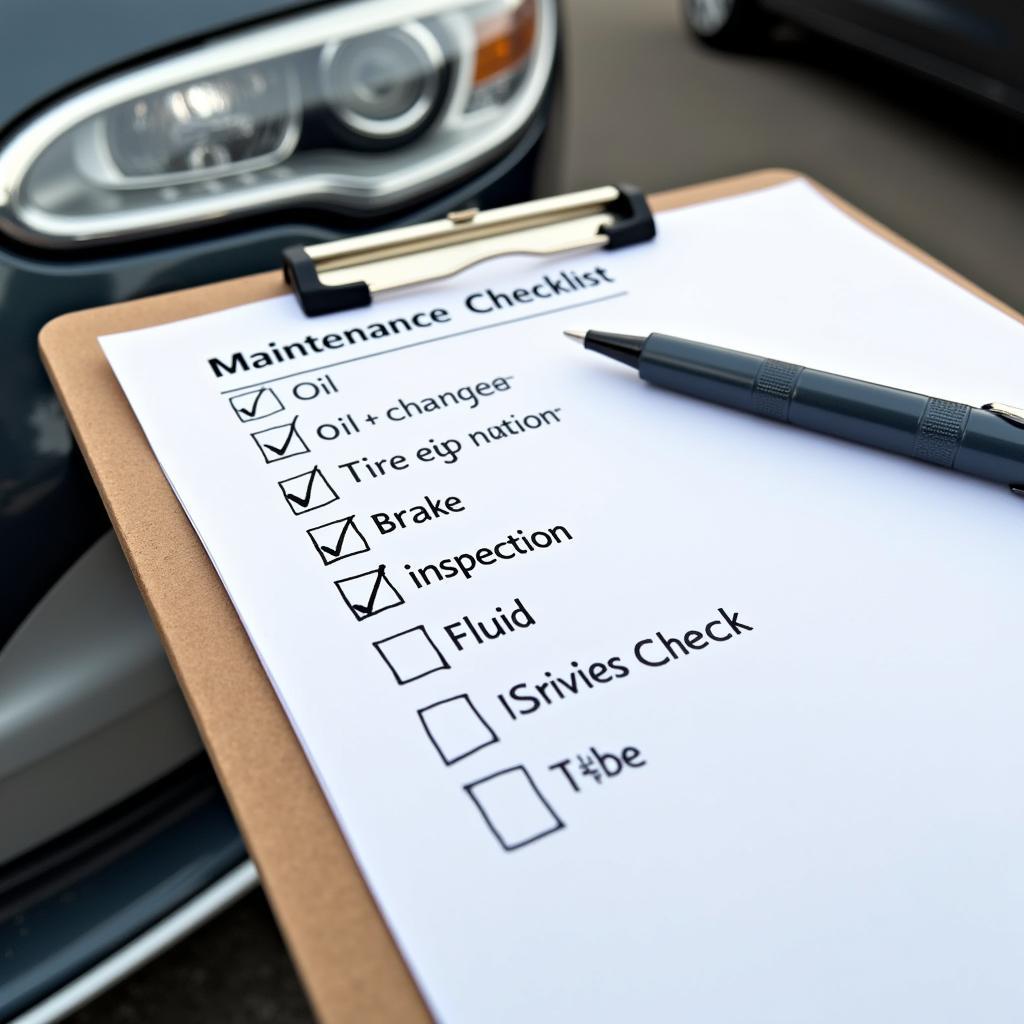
(1013, 416)
(1009, 413)
(332, 276)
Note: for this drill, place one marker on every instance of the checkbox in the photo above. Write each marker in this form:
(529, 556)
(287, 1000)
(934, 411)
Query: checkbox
(411, 655)
(307, 491)
(280, 442)
(456, 728)
(338, 540)
(369, 593)
(513, 807)
(256, 404)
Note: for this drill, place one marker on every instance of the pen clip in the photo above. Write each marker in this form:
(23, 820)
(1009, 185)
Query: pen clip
(1011, 414)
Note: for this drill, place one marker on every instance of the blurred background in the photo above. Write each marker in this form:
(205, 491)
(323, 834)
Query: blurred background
(642, 99)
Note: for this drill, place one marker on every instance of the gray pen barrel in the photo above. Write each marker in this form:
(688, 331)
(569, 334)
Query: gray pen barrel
(948, 434)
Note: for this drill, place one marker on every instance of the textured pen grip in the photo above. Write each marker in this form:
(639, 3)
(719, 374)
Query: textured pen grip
(940, 431)
(773, 388)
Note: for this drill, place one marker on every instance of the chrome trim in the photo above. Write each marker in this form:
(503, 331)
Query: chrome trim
(443, 159)
(151, 943)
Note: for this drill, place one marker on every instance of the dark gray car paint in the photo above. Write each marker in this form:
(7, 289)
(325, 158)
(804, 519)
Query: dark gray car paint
(47, 46)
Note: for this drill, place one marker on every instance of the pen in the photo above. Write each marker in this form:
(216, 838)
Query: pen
(986, 441)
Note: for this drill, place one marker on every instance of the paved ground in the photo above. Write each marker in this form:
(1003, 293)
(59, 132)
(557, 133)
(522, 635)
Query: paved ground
(646, 104)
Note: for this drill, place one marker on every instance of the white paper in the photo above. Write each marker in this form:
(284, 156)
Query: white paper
(821, 817)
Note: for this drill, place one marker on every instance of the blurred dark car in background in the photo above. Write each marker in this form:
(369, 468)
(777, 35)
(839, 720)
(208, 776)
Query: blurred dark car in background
(146, 147)
(974, 45)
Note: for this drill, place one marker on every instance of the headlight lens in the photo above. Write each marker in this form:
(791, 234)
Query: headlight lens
(360, 106)
(245, 118)
(385, 86)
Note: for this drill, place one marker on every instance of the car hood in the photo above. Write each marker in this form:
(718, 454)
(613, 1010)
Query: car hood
(47, 46)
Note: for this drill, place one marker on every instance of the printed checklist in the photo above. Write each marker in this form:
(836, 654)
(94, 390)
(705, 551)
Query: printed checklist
(536, 628)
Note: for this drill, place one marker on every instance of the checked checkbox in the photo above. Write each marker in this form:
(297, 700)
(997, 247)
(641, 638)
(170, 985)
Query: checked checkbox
(513, 807)
(369, 593)
(307, 491)
(338, 540)
(256, 404)
(280, 442)
(411, 655)
(456, 728)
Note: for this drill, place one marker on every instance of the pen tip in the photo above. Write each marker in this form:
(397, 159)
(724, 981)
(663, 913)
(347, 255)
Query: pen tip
(578, 335)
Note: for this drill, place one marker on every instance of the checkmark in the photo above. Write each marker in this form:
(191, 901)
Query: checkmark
(250, 412)
(338, 540)
(304, 500)
(335, 551)
(307, 491)
(367, 609)
(369, 593)
(280, 442)
(256, 404)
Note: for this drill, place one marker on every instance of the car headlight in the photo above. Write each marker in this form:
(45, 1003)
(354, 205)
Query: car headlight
(360, 106)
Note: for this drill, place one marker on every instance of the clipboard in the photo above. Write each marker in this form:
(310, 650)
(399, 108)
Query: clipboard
(344, 953)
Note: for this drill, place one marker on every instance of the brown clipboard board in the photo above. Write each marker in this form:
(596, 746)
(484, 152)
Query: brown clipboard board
(349, 963)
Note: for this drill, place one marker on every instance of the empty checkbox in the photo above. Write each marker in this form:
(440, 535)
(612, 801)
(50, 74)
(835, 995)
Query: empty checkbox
(411, 655)
(513, 807)
(456, 728)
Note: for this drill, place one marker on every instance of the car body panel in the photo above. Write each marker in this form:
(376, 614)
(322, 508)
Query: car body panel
(92, 718)
(171, 928)
(49, 511)
(113, 821)
(103, 660)
(38, 62)
(66, 908)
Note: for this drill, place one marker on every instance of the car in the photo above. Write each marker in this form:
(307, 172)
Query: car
(146, 147)
(976, 46)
